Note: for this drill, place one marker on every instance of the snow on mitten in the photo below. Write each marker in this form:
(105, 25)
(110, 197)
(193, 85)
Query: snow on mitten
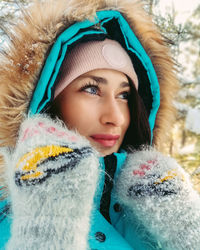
(159, 193)
(52, 177)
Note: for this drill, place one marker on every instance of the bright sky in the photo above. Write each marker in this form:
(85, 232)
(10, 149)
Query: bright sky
(184, 8)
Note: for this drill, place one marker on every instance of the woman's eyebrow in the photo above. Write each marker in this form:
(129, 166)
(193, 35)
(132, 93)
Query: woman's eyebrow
(100, 79)
(125, 84)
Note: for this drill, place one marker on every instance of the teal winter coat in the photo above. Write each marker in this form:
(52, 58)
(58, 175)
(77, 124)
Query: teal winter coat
(136, 200)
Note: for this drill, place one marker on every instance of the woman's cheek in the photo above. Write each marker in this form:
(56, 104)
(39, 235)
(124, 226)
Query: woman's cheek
(82, 115)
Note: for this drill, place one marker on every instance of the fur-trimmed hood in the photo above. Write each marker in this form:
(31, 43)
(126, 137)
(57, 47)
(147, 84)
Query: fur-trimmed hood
(36, 32)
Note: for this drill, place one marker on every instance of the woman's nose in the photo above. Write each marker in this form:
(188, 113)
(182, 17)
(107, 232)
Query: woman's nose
(112, 113)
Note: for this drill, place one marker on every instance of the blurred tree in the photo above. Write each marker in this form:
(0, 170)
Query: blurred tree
(166, 23)
(190, 95)
(8, 13)
(184, 40)
(193, 30)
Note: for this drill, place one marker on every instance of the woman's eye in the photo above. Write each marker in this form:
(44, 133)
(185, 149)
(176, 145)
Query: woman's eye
(125, 95)
(91, 89)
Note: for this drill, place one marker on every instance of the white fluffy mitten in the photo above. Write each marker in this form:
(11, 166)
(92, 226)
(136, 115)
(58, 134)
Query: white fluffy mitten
(159, 193)
(52, 177)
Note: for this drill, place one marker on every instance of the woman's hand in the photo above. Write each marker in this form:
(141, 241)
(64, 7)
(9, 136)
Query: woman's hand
(159, 193)
(52, 177)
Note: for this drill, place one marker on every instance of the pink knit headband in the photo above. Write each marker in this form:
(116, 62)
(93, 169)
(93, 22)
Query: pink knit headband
(107, 54)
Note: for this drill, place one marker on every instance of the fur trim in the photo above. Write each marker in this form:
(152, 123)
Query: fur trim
(32, 37)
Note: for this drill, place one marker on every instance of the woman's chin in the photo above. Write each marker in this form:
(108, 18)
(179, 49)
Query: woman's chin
(104, 151)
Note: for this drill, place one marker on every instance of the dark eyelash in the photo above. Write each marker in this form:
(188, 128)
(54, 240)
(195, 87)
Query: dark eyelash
(127, 93)
(89, 84)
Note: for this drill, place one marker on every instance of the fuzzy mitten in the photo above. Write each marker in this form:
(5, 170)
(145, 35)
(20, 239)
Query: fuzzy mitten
(52, 176)
(158, 192)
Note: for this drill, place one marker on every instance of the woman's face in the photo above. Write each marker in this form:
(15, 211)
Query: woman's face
(96, 105)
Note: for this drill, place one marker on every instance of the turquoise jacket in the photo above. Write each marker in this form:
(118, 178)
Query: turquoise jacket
(115, 234)
(29, 72)
(112, 232)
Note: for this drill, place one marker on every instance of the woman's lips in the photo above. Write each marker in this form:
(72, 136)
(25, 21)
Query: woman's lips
(106, 140)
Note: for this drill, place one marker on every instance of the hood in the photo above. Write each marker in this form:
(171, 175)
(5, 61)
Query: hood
(44, 34)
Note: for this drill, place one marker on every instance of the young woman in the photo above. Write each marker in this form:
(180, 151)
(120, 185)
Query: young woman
(86, 90)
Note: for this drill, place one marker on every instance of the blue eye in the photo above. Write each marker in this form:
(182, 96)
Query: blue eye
(125, 95)
(91, 89)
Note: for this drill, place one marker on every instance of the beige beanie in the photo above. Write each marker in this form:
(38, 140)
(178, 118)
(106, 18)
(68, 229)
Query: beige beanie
(88, 56)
